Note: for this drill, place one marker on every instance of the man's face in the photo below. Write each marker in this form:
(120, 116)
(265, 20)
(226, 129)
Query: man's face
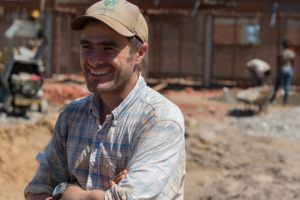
(105, 59)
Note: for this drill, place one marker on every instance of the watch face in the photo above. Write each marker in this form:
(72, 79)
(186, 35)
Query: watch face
(59, 190)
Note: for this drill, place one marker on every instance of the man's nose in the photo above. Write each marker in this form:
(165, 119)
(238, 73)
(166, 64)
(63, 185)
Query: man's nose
(95, 59)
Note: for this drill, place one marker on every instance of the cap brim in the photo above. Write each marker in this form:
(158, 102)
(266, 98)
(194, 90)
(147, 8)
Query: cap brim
(79, 22)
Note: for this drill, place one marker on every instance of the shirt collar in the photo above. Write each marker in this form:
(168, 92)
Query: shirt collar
(138, 88)
(95, 107)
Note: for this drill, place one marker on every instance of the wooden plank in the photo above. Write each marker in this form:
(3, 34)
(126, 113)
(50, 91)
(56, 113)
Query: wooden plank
(160, 86)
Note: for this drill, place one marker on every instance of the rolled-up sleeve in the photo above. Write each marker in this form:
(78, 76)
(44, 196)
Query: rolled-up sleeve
(52, 164)
(157, 163)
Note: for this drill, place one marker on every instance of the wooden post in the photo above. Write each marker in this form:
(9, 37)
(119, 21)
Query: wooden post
(208, 50)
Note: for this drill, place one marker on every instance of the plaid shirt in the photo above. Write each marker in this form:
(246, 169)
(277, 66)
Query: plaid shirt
(144, 134)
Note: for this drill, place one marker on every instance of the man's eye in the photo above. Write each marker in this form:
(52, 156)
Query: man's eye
(85, 47)
(109, 49)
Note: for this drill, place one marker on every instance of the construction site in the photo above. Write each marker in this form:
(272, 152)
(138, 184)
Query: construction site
(238, 144)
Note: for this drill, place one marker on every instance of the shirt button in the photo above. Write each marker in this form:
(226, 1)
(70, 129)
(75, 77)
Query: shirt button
(95, 170)
(114, 122)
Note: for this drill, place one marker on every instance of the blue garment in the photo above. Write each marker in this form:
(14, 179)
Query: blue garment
(285, 73)
(284, 78)
(144, 134)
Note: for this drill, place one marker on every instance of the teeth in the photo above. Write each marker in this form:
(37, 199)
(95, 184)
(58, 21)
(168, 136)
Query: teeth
(98, 73)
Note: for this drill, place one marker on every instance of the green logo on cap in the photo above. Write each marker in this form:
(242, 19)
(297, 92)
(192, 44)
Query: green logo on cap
(110, 3)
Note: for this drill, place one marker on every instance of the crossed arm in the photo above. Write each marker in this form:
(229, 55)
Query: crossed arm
(157, 155)
(74, 192)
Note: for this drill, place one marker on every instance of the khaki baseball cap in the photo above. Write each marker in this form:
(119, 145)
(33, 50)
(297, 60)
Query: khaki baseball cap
(121, 15)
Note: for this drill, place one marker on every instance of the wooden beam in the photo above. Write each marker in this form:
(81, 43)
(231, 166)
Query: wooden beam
(208, 51)
(14, 5)
(159, 87)
(149, 4)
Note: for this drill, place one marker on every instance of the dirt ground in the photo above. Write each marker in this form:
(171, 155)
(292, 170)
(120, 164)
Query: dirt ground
(228, 157)
(250, 157)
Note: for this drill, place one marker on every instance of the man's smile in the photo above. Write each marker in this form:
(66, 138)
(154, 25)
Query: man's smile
(99, 73)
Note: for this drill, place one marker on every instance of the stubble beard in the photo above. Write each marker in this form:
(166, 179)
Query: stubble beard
(121, 80)
(116, 85)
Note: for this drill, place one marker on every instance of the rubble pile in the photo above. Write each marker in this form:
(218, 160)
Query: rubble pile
(281, 124)
(59, 94)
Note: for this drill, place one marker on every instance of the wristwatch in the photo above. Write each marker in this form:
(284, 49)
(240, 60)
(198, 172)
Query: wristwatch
(59, 191)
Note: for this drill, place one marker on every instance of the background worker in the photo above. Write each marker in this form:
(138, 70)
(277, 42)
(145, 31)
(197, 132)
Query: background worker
(285, 63)
(260, 71)
(123, 125)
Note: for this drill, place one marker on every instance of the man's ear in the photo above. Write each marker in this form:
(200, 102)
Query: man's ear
(141, 52)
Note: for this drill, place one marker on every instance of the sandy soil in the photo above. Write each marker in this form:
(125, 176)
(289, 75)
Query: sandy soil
(250, 157)
(228, 157)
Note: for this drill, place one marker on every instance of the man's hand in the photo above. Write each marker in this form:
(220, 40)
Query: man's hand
(31, 196)
(74, 192)
(121, 176)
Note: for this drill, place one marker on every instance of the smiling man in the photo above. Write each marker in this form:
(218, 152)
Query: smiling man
(124, 141)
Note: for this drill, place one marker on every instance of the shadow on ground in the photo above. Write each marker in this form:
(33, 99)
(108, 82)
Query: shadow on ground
(242, 112)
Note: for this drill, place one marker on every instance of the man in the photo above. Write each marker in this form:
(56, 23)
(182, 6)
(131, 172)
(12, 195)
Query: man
(260, 71)
(285, 63)
(124, 127)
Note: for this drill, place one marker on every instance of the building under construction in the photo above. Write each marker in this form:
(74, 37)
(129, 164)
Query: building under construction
(204, 40)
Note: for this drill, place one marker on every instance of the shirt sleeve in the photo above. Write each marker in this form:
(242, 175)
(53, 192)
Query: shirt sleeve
(52, 163)
(157, 162)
